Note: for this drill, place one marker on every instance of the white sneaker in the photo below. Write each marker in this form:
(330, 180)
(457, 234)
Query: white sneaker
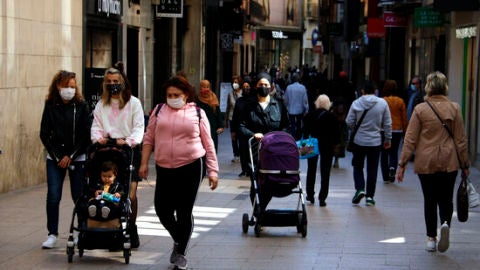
(105, 212)
(92, 210)
(51, 242)
(180, 262)
(444, 242)
(431, 244)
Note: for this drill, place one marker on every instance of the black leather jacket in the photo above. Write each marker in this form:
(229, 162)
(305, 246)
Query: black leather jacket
(65, 129)
(257, 120)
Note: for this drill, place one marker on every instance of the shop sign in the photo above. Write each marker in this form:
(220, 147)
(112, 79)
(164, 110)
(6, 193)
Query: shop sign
(466, 32)
(279, 35)
(391, 19)
(375, 28)
(170, 8)
(427, 17)
(109, 7)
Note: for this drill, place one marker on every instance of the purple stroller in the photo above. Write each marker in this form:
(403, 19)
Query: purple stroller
(275, 165)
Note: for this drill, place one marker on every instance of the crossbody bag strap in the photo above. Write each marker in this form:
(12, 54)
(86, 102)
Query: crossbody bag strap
(448, 130)
(357, 125)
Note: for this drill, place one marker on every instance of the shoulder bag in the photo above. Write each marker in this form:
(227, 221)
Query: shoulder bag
(462, 191)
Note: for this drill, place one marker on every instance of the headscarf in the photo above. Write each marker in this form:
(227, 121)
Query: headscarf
(207, 96)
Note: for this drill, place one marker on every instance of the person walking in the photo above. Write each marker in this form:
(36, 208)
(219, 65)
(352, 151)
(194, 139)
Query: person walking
(368, 140)
(208, 101)
(232, 97)
(296, 100)
(261, 116)
(414, 95)
(180, 170)
(439, 156)
(248, 96)
(65, 133)
(119, 115)
(389, 157)
(321, 124)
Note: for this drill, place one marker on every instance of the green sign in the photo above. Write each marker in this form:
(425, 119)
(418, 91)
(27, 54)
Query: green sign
(427, 17)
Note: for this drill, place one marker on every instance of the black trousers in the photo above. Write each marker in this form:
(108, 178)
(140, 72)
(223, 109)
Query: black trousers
(437, 191)
(326, 158)
(175, 193)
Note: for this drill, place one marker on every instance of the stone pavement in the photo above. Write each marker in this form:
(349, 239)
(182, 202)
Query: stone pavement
(390, 235)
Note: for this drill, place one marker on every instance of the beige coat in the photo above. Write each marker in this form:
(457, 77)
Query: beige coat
(434, 149)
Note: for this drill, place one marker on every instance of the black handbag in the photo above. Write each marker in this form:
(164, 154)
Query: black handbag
(350, 144)
(462, 191)
(462, 200)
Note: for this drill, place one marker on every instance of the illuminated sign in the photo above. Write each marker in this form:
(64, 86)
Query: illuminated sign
(109, 7)
(466, 32)
(279, 35)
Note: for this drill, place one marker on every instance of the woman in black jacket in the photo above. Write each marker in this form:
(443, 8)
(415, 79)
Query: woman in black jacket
(323, 125)
(65, 133)
(262, 115)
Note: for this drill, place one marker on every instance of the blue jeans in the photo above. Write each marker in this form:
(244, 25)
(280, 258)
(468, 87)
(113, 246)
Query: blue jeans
(372, 154)
(55, 177)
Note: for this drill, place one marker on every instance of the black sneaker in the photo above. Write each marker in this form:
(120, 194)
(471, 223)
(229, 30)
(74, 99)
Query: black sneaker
(358, 196)
(311, 199)
(323, 203)
(134, 239)
(391, 174)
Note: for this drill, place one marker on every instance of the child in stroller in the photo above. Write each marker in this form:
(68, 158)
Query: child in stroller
(104, 204)
(97, 227)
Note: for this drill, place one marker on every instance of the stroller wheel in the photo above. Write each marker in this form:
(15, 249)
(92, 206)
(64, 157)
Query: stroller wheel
(257, 230)
(245, 222)
(302, 224)
(126, 255)
(70, 252)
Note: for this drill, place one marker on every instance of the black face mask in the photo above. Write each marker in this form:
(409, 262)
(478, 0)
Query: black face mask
(115, 88)
(263, 91)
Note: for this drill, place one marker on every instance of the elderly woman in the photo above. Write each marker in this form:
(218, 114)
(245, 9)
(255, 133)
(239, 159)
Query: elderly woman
(439, 156)
(323, 125)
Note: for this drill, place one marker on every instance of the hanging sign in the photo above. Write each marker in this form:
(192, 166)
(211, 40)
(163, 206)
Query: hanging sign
(170, 8)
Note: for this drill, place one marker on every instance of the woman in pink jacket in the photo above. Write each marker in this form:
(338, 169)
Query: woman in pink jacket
(179, 134)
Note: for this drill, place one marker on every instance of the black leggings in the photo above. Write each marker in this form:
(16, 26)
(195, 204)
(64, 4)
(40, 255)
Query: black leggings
(437, 191)
(175, 193)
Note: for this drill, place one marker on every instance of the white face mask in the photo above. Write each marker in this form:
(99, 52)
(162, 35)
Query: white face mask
(235, 86)
(176, 103)
(67, 93)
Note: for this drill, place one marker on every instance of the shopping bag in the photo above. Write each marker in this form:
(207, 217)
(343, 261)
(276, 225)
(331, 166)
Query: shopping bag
(462, 200)
(473, 196)
(307, 148)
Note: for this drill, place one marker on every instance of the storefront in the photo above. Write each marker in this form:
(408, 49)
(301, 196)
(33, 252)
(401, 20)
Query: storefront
(279, 47)
(103, 42)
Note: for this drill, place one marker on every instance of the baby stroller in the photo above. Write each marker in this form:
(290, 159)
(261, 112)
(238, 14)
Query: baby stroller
(277, 175)
(110, 234)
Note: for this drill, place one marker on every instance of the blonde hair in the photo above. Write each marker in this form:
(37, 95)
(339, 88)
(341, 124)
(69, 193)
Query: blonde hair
(436, 84)
(323, 102)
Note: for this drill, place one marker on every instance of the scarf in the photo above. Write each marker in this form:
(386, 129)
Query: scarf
(209, 99)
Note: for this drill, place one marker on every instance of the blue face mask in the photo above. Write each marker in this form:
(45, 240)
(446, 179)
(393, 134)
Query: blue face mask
(412, 87)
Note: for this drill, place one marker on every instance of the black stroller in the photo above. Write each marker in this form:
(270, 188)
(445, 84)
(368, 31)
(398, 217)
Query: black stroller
(277, 175)
(110, 234)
